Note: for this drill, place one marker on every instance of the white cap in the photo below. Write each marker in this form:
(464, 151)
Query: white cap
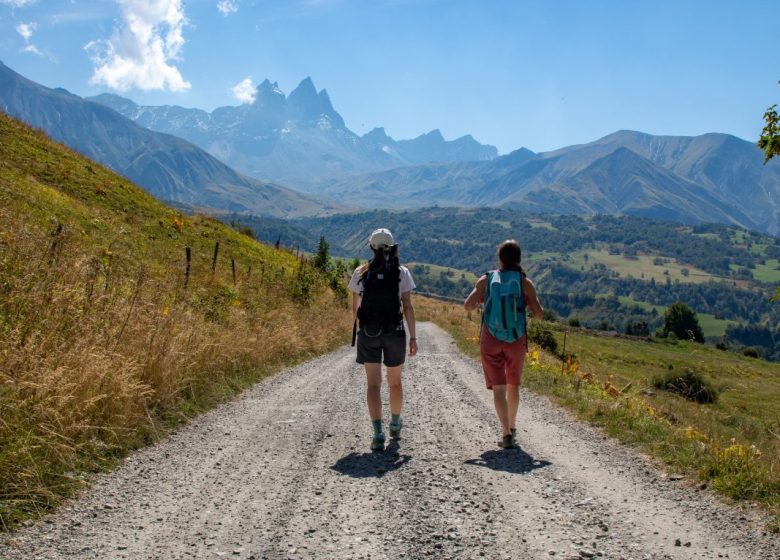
(381, 237)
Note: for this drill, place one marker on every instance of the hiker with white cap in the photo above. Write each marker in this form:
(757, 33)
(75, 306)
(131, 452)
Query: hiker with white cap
(381, 299)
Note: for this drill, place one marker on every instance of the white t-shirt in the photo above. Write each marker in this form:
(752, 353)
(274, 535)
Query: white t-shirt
(405, 285)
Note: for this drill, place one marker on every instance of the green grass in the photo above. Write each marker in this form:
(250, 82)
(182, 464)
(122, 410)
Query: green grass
(434, 271)
(768, 272)
(733, 445)
(709, 324)
(642, 267)
(541, 224)
(102, 349)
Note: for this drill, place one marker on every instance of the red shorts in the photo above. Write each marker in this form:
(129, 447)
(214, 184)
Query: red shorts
(502, 361)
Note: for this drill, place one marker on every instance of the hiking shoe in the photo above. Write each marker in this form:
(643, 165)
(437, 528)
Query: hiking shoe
(378, 442)
(395, 429)
(514, 437)
(506, 442)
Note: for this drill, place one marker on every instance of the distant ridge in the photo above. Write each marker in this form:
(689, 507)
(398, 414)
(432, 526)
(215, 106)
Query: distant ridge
(298, 140)
(170, 168)
(712, 177)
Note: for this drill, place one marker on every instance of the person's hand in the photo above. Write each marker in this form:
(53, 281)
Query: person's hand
(412, 346)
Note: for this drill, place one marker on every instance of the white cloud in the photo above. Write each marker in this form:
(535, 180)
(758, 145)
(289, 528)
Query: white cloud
(18, 3)
(244, 91)
(141, 51)
(30, 48)
(26, 30)
(227, 7)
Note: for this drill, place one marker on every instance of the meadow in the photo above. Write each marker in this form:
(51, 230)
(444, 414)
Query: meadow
(732, 445)
(110, 335)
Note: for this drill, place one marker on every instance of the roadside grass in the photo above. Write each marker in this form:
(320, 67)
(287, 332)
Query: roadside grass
(732, 446)
(102, 349)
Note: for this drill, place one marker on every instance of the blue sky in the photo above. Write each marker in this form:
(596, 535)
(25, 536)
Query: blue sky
(538, 74)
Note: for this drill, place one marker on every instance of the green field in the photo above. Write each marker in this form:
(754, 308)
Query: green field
(434, 271)
(709, 324)
(768, 272)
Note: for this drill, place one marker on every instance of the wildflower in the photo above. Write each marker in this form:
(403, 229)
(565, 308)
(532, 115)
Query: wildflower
(165, 311)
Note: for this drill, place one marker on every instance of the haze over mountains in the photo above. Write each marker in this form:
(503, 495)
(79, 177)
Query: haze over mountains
(298, 140)
(170, 168)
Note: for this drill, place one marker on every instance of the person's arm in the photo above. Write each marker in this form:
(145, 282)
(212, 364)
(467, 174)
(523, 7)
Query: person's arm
(476, 295)
(406, 303)
(531, 299)
(355, 305)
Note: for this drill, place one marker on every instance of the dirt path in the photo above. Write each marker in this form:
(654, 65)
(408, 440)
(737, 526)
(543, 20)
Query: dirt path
(285, 472)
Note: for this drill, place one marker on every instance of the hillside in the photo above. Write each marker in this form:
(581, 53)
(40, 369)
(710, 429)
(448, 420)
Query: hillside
(108, 337)
(170, 168)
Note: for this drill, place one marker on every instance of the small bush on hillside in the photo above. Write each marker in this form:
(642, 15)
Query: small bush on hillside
(549, 315)
(688, 384)
(542, 336)
(574, 322)
(752, 352)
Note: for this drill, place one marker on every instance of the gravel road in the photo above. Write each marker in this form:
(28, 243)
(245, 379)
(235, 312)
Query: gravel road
(284, 471)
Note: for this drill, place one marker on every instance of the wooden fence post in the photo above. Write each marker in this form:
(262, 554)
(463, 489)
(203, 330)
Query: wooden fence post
(188, 257)
(233, 269)
(214, 261)
(54, 243)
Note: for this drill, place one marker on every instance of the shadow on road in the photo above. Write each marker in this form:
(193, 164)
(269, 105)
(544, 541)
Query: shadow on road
(363, 465)
(515, 461)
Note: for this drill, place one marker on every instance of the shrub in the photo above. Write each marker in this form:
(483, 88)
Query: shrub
(752, 352)
(574, 322)
(542, 336)
(688, 384)
(549, 315)
(682, 321)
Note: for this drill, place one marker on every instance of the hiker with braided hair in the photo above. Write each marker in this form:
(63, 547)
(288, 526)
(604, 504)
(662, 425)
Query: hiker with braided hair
(381, 299)
(506, 293)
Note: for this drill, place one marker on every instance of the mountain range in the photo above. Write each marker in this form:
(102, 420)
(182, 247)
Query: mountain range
(170, 168)
(298, 140)
(708, 178)
(711, 178)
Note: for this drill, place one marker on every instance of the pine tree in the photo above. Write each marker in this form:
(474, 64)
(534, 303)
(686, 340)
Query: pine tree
(322, 258)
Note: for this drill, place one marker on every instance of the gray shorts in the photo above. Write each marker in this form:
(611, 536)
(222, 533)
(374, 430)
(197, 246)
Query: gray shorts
(371, 348)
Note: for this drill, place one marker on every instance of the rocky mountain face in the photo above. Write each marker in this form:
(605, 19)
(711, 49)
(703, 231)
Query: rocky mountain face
(712, 177)
(299, 140)
(170, 168)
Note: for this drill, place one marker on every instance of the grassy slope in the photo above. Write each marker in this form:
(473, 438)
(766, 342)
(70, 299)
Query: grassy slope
(734, 445)
(101, 347)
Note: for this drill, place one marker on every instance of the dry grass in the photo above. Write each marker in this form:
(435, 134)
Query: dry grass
(96, 360)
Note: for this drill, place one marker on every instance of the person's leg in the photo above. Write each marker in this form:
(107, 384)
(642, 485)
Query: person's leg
(499, 401)
(373, 389)
(396, 389)
(374, 399)
(513, 403)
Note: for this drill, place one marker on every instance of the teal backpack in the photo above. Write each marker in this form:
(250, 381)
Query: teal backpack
(504, 313)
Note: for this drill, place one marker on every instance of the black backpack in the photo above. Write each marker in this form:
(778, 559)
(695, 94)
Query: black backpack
(380, 300)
